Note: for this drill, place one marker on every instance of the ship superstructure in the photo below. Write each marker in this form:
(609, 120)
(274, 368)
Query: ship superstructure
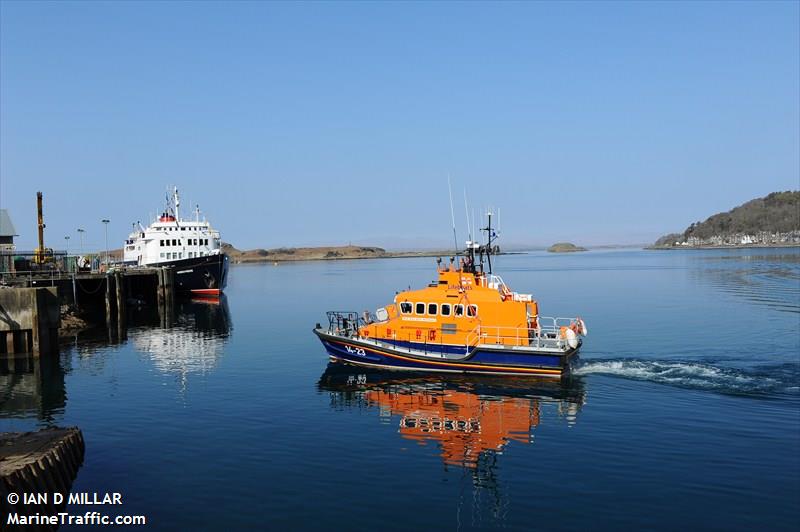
(191, 246)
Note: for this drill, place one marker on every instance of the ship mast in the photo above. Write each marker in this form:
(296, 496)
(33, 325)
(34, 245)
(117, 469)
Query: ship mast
(177, 202)
(489, 241)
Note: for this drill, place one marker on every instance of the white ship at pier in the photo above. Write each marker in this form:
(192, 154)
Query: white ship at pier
(191, 246)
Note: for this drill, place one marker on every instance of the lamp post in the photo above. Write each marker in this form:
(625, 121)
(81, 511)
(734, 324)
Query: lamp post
(80, 233)
(105, 223)
(67, 244)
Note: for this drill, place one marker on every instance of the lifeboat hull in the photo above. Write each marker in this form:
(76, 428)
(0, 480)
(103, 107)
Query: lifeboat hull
(484, 359)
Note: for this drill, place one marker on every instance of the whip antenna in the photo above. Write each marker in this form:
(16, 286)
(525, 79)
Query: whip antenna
(452, 212)
(466, 213)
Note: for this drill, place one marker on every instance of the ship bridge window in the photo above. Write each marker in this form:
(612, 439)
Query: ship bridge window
(420, 308)
(174, 242)
(406, 307)
(472, 311)
(433, 309)
(160, 242)
(445, 309)
(459, 310)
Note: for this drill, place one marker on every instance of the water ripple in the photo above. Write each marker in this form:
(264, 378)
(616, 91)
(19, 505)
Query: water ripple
(764, 380)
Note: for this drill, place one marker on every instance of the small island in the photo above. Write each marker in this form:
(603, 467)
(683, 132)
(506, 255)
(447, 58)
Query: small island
(565, 247)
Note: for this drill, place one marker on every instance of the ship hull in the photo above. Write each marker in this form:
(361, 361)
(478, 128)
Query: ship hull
(199, 276)
(494, 360)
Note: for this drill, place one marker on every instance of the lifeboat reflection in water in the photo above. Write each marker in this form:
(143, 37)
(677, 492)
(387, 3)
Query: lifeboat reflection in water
(468, 418)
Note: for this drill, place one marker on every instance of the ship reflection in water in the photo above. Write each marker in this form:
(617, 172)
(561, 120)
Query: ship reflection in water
(470, 418)
(195, 342)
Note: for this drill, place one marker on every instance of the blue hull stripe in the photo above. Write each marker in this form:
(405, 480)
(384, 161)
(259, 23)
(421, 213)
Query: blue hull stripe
(482, 361)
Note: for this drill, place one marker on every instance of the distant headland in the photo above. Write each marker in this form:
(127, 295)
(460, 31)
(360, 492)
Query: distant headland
(773, 220)
(286, 254)
(565, 247)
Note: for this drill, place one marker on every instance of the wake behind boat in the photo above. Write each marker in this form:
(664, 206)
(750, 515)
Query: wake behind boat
(192, 247)
(467, 321)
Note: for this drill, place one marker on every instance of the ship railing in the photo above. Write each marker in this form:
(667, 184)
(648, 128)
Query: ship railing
(344, 322)
(47, 273)
(546, 334)
(473, 337)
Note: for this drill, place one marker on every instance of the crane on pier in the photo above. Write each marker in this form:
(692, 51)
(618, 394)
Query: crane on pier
(41, 255)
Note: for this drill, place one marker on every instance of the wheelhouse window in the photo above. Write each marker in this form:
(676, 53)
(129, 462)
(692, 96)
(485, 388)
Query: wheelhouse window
(445, 309)
(472, 311)
(433, 309)
(420, 308)
(459, 311)
(160, 242)
(406, 307)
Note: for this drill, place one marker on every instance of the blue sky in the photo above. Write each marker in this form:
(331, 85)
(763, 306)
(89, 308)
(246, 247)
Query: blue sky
(329, 123)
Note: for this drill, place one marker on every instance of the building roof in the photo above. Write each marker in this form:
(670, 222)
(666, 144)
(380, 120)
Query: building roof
(6, 226)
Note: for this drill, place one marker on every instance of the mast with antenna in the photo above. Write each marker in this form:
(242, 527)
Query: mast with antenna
(489, 239)
(177, 205)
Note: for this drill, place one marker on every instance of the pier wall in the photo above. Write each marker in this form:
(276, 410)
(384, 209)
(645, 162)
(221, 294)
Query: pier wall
(99, 297)
(29, 320)
(43, 462)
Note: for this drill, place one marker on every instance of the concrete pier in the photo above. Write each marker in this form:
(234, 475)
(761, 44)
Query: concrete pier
(29, 320)
(105, 295)
(43, 462)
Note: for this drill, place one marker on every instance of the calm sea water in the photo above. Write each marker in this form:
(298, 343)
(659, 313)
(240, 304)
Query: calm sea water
(684, 410)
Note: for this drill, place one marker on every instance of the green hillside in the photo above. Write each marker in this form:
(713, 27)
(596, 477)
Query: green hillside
(778, 212)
